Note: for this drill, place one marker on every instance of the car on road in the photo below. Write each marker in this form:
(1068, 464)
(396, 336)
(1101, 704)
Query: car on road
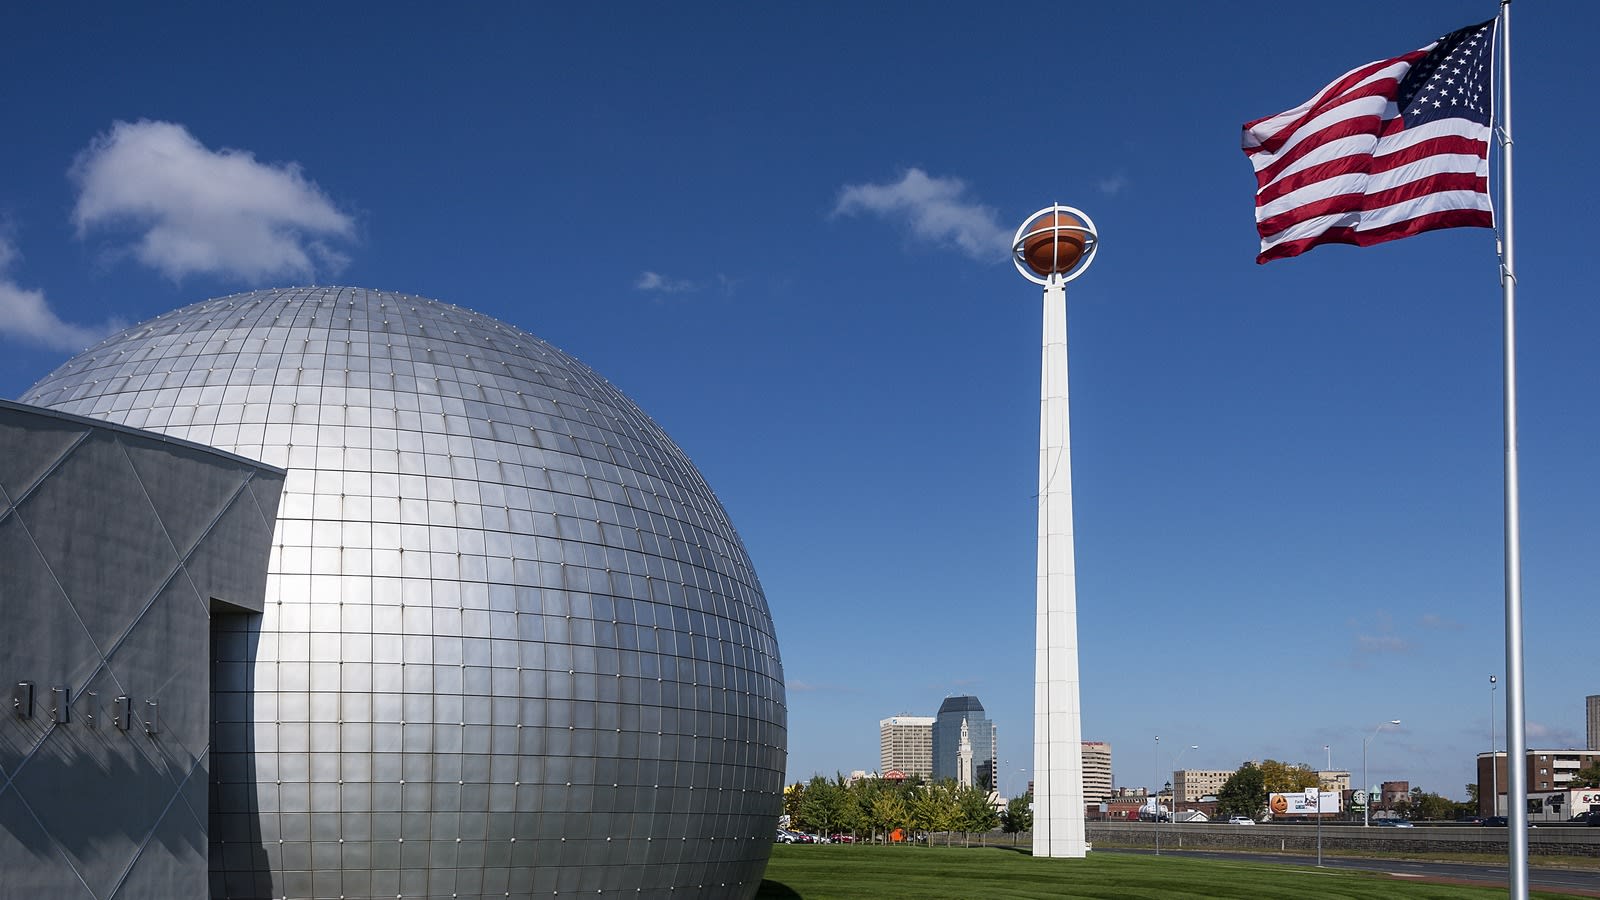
(1241, 820)
(1395, 823)
(785, 837)
(843, 838)
(1500, 822)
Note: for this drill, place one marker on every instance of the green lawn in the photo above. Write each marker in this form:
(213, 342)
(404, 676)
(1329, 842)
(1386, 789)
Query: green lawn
(821, 872)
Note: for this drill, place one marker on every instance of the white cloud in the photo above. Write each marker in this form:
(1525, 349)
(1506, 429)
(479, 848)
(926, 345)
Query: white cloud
(26, 316)
(812, 687)
(1113, 184)
(655, 281)
(1380, 643)
(1378, 637)
(1438, 622)
(1551, 736)
(213, 212)
(936, 209)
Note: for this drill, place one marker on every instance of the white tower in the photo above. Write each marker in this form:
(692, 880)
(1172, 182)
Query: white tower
(1054, 246)
(964, 758)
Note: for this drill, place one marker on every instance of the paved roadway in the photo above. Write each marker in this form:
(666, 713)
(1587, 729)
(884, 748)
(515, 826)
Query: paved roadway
(1566, 881)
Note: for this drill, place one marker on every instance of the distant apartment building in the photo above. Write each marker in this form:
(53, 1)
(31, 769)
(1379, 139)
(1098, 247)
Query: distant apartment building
(1593, 703)
(1096, 771)
(905, 744)
(1333, 780)
(1189, 785)
(1548, 770)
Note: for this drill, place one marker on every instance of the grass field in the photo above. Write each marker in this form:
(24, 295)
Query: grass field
(823, 872)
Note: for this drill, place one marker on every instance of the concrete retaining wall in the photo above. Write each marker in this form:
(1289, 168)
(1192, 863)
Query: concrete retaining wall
(1445, 839)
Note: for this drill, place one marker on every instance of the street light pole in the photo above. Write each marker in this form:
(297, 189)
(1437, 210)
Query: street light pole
(1171, 790)
(1155, 797)
(1319, 821)
(1494, 789)
(1366, 808)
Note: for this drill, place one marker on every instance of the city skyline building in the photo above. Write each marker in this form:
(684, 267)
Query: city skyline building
(905, 744)
(964, 757)
(1549, 769)
(1189, 785)
(1334, 780)
(1096, 771)
(1592, 704)
(947, 740)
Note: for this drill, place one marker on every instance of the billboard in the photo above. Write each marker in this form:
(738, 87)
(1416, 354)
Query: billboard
(1559, 806)
(1302, 803)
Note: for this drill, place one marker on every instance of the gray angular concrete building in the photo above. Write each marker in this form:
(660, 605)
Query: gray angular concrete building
(509, 644)
(118, 549)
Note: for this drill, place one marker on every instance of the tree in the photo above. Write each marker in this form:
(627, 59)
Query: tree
(863, 796)
(974, 812)
(792, 795)
(1018, 816)
(851, 818)
(818, 809)
(1472, 796)
(1423, 805)
(1283, 778)
(934, 807)
(889, 810)
(1243, 794)
(1587, 777)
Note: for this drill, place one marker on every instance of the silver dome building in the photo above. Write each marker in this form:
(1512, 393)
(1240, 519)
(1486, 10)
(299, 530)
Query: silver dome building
(512, 645)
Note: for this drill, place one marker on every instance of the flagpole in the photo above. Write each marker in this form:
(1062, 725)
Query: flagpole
(1516, 733)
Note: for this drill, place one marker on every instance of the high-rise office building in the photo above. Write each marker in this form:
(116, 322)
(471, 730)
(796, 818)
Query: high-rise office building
(1593, 703)
(947, 740)
(905, 743)
(1096, 771)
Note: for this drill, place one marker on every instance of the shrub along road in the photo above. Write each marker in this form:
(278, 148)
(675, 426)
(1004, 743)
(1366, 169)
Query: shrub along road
(825, 872)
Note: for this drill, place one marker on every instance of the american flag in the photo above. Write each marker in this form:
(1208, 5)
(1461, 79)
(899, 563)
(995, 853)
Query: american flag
(1390, 149)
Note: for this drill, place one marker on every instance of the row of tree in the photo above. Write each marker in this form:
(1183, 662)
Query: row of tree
(871, 807)
(874, 808)
(1246, 793)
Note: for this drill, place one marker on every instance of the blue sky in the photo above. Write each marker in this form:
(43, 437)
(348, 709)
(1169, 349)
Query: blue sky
(777, 229)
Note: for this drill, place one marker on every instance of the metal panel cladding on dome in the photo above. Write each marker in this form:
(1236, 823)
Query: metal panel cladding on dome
(512, 645)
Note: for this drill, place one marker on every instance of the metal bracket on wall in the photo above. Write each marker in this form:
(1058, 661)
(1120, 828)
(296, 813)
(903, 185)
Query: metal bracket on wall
(91, 708)
(122, 712)
(22, 699)
(152, 717)
(59, 712)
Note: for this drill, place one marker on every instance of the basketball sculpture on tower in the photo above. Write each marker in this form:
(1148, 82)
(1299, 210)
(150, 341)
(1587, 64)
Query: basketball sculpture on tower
(1054, 242)
(1054, 246)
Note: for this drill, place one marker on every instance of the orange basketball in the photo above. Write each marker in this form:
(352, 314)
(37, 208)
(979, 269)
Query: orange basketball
(1049, 251)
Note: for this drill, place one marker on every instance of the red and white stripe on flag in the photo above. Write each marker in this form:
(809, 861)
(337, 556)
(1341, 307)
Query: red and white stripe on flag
(1389, 149)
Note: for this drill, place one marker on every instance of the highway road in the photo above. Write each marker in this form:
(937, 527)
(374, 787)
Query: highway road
(1583, 883)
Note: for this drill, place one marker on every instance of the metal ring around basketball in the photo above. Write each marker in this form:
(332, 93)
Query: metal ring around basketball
(1091, 240)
